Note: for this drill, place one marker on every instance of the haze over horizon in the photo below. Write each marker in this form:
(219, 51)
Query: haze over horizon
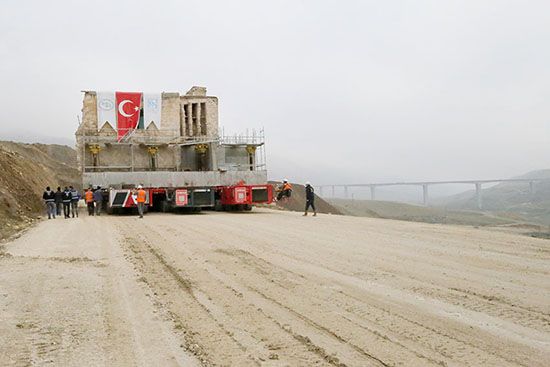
(353, 91)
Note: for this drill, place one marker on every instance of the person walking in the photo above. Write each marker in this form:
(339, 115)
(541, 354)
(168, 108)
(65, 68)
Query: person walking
(75, 198)
(67, 198)
(49, 199)
(310, 199)
(58, 200)
(141, 199)
(89, 198)
(98, 200)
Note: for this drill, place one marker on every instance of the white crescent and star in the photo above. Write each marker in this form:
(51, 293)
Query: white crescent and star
(121, 108)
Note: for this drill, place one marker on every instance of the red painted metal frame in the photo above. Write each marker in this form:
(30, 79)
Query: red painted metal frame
(227, 194)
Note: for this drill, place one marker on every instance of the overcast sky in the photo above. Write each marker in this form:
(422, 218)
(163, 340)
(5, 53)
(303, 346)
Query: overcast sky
(348, 91)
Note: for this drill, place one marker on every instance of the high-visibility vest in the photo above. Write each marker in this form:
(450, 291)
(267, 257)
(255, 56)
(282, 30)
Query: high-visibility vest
(141, 196)
(89, 196)
(287, 186)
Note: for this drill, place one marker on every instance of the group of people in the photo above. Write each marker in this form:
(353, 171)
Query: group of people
(94, 200)
(285, 191)
(66, 200)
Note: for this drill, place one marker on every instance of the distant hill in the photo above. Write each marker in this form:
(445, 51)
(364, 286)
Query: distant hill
(25, 170)
(513, 198)
(415, 213)
(33, 137)
(297, 201)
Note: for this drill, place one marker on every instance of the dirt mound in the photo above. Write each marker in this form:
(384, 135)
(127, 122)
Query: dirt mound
(25, 170)
(297, 201)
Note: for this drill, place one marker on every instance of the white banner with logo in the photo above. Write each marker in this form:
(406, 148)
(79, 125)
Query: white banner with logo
(152, 105)
(106, 111)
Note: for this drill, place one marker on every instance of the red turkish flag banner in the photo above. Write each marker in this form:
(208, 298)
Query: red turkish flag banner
(128, 105)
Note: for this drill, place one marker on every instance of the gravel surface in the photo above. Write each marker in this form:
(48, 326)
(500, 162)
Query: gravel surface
(272, 288)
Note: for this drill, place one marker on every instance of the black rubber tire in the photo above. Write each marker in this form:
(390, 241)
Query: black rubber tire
(165, 206)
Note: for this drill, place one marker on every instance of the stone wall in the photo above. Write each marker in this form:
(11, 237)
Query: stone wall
(170, 113)
(173, 115)
(182, 116)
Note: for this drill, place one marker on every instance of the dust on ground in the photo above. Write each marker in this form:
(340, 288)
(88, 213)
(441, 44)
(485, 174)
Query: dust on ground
(272, 288)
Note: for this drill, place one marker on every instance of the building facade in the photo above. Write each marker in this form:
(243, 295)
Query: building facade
(184, 137)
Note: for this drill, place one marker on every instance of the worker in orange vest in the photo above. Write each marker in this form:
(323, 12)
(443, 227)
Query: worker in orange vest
(89, 198)
(286, 190)
(141, 198)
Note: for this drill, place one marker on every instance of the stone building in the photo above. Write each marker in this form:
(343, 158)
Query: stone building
(186, 139)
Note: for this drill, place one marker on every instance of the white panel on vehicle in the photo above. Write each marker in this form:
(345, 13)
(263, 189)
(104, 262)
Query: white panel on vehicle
(240, 194)
(181, 197)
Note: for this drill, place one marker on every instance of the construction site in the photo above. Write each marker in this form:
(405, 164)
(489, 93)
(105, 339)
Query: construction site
(235, 285)
(275, 184)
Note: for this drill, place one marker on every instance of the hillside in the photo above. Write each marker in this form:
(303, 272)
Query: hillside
(297, 201)
(414, 213)
(509, 197)
(25, 170)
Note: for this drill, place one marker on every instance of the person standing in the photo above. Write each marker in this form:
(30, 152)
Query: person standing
(67, 198)
(98, 200)
(49, 199)
(141, 199)
(310, 199)
(89, 198)
(58, 200)
(75, 198)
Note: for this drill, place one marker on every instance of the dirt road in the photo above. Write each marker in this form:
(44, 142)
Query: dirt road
(272, 288)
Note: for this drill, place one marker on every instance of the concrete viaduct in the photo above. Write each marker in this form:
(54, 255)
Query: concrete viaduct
(426, 184)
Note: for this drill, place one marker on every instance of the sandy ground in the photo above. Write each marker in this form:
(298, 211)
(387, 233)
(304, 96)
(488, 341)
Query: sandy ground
(272, 288)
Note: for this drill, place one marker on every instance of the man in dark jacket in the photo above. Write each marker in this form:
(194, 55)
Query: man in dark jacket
(98, 200)
(67, 198)
(75, 198)
(310, 199)
(49, 199)
(58, 200)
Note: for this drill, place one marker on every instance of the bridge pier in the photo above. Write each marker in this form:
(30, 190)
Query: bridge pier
(532, 189)
(346, 192)
(425, 194)
(373, 192)
(333, 191)
(478, 196)
(321, 191)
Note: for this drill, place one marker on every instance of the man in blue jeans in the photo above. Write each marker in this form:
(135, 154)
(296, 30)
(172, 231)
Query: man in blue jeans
(49, 199)
(98, 200)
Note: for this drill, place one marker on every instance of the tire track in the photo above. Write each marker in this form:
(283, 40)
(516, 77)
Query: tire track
(306, 338)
